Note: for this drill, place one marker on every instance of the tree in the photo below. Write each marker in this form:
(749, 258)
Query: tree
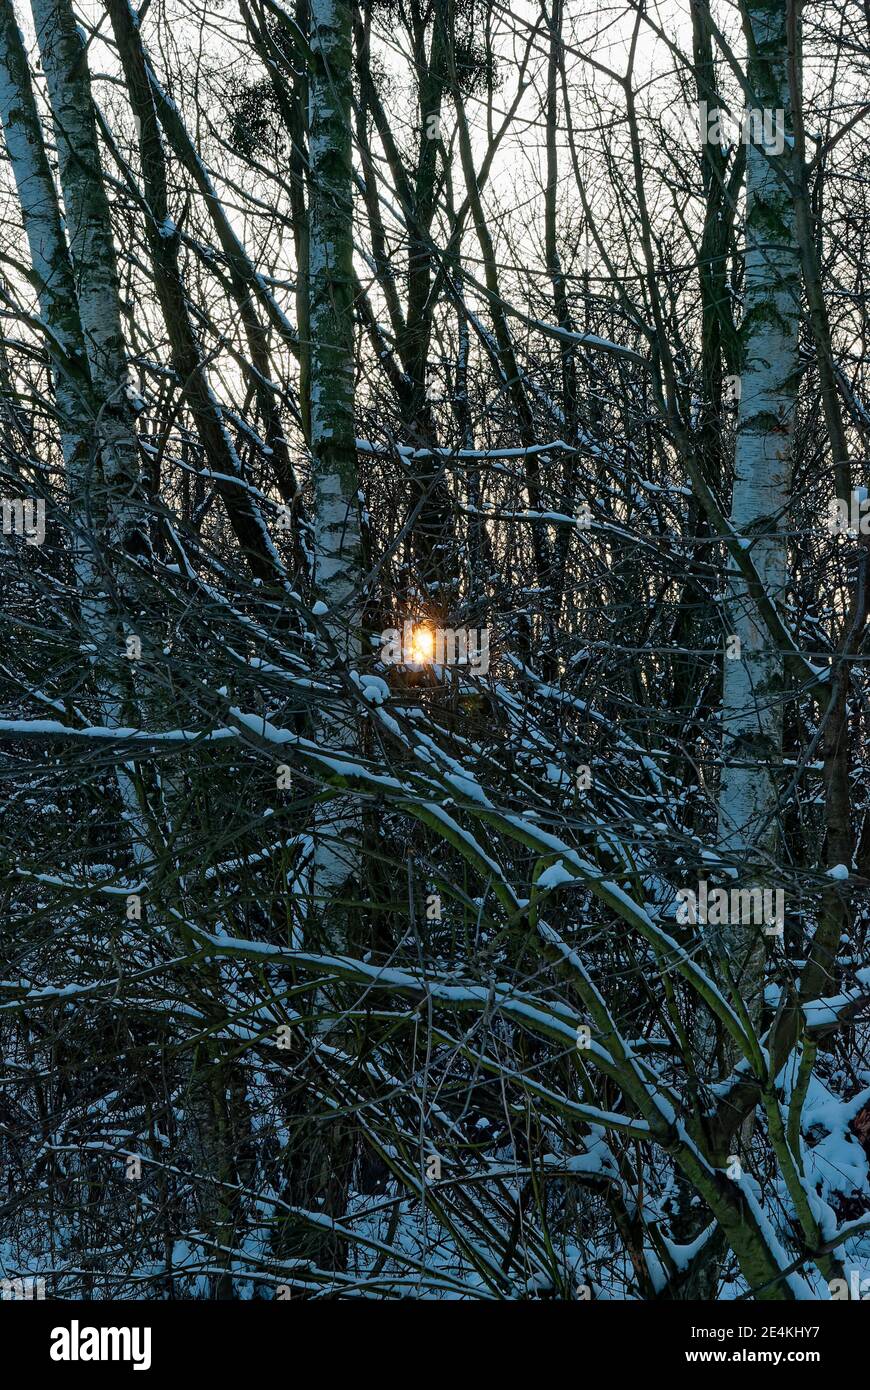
(433, 664)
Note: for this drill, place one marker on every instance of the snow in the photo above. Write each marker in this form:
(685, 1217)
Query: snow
(556, 875)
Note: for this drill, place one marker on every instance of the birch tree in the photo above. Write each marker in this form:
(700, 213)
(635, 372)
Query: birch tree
(338, 559)
(754, 681)
(434, 980)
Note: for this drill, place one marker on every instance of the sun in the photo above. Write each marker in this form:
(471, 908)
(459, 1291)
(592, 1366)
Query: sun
(423, 644)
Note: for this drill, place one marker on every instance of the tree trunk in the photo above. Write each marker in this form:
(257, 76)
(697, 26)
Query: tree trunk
(337, 526)
(752, 719)
(88, 218)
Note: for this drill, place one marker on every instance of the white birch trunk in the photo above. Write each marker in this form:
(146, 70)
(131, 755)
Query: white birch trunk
(337, 527)
(89, 224)
(58, 306)
(55, 287)
(753, 684)
(97, 301)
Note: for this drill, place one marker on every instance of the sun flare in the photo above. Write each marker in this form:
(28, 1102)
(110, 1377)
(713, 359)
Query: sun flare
(423, 644)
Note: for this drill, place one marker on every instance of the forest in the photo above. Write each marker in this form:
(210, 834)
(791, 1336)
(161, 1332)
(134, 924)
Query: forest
(434, 702)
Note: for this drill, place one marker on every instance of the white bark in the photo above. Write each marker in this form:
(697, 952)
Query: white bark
(337, 527)
(77, 286)
(753, 684)
(88, 219)
(55, 286)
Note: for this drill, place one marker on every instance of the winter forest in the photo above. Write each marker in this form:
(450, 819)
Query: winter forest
(434, 703)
